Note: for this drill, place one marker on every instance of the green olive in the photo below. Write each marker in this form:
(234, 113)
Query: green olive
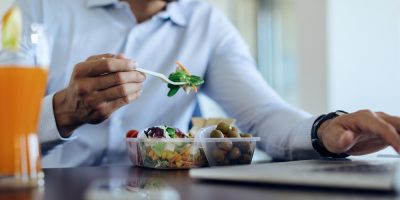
(246, 135)
(233, 162)
(234, 153)
(245, 147)
(225, 162)
(245, 159)
(233, 134)
(223, 127)
(218, 155)
(216, 134)
(225, 145)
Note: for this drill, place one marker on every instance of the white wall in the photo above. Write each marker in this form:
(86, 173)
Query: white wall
(348, 53)
(310, 19)
(364, 54)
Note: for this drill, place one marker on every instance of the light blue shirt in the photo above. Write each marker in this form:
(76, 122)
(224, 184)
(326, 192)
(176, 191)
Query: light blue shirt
(192, 32)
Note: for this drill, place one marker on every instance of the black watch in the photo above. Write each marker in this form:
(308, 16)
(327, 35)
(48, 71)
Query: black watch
(316, 143)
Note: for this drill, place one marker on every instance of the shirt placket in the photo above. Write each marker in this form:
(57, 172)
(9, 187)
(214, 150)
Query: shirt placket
(116, 131)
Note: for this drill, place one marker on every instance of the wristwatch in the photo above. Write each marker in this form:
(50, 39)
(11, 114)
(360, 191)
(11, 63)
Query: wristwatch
(317, 143)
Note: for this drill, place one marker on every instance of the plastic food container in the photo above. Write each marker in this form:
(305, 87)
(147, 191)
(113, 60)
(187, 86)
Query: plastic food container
(227, 151)
(179, 153)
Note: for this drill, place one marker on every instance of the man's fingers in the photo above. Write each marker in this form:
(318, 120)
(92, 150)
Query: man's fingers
(104, 66)
(393, 120)
(85, 86)
(370, 122)
(113, 93)
(114, 79)
(110, 65)
(123, 101)
(101, 56)
(340, 140)
(121, 91)
(121, 56)
(347, 140)
(105, 109)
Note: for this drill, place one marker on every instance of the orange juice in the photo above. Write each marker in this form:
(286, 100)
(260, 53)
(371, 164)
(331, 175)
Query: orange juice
(21, 92)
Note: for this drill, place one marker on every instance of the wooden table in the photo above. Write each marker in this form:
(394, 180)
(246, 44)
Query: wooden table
(71, 184)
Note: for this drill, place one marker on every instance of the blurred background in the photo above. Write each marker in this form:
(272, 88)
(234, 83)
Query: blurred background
(322, 55)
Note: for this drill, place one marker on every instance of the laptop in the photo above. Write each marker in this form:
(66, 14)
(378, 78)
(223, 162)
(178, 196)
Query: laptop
(370, 174)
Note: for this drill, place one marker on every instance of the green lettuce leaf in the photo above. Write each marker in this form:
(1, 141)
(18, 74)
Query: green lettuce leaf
(171, 132)
(158, 148)
(181, 76)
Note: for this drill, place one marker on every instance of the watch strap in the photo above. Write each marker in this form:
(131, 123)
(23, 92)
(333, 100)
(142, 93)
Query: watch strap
(317, 143)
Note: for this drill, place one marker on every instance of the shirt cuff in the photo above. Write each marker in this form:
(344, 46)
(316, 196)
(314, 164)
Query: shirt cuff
(48, 131)
(301, 146)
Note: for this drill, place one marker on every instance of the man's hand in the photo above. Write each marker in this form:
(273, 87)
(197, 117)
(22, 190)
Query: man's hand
(360, 133)
(98, 86)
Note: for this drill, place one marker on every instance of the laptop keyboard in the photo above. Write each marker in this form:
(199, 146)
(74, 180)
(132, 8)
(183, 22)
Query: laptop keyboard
(359, 168)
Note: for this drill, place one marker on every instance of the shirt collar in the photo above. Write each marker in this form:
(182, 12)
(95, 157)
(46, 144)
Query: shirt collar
(173, 11)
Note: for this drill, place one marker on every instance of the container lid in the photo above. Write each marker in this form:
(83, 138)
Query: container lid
(243, 139)
(161, 139)
(249, 139)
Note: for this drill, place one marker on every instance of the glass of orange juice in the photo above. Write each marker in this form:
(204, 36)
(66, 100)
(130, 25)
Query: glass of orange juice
(23, 77)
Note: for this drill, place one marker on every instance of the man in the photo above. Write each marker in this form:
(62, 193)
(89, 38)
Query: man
(95, 96)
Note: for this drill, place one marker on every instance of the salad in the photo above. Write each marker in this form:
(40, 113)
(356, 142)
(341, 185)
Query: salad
(183, 75)
(166, 147)
(164, 132)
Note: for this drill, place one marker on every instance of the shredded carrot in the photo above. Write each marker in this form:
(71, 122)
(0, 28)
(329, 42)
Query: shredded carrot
(187, 72)
(183, 67)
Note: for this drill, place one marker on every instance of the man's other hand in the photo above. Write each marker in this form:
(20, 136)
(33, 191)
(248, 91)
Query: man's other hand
(360, 133)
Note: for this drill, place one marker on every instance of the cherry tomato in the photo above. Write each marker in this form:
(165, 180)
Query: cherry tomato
(132, 134)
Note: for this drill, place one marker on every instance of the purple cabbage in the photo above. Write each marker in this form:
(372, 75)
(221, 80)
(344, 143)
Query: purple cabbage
(154, 132)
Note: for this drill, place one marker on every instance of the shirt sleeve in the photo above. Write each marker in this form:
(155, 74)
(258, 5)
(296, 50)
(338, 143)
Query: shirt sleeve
(48, 132)
(233, 80)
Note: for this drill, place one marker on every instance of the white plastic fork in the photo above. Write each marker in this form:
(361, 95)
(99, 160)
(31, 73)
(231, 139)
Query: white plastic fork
(161, 76)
